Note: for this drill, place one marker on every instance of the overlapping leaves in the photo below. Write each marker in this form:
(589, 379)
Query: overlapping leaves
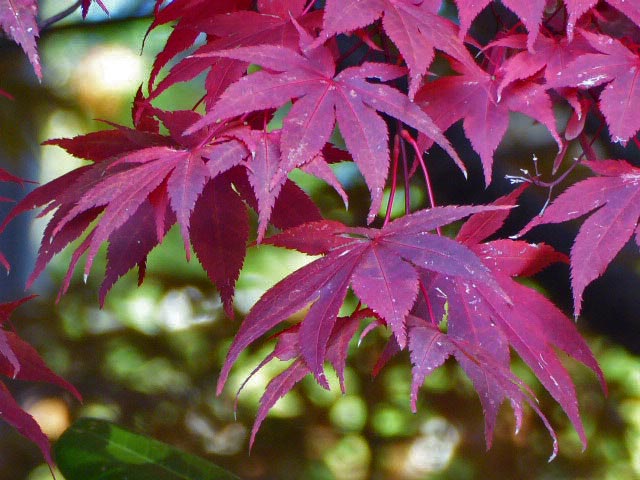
(488, 325)
(619, 68)
(141, 183)
(382, 266)
(414, 27)
(483, 103)
(226, 28)
(209, 166)
(532, 13)
(322, 100)
(387, 268)
(612, 196)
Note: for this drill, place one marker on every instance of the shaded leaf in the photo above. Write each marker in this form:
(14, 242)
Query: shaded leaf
(24, 423)
(219, 238)
(96, 449)
(19, 360)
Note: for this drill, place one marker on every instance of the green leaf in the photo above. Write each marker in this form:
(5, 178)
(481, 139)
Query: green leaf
(94, 449)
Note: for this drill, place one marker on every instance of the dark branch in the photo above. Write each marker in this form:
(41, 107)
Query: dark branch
(44, 24)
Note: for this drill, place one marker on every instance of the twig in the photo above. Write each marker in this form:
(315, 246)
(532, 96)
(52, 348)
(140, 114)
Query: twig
(394, 179)
(409, 139)
(405, 168)
(44, 24)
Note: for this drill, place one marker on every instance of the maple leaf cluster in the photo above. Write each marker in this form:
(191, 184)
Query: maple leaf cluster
(365, 72)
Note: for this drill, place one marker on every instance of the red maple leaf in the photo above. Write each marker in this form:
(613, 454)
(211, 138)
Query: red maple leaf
(529, 323)
(18, 18)
(619, 68)
(381, 265)
(630, 9)
(204, 171)
(187, 14)
(140, 184)
(288, 348)
(87, 3)
(429, 348)
(263, 172)
(614, 197)
(414, 27)
(323, 99)
(577, 8)
(7, 177)
(551, 54)
(531, 13)
(271, 25)
(474, 96)
(19, 360)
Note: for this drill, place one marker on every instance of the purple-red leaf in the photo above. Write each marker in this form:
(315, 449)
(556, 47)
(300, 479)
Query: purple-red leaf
(20, 360)
(474, 97)
(87, 3)
(530, 13)
(32, 367)
(262, 171)
(314, 238)
(619, 68)
(482, 225)
(493, 381)
(615, 198)
(530, 323)
(6, 309)
(184, 187)
(552, 54)
(414, 27)
(518, 258)
(18, 18)
(24, 423)
(219, 236)
(140, 185)
(482, 325)
(137, 237)
(381, 265)
(188, 14)
(288, 348)
(8, 177)
(6, 350)
(225, 31)
(322, 98)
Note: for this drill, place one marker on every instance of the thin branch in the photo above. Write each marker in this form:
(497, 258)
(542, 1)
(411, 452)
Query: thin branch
(309, 7)
(405, 168)
(44, 24)
(409, 139)
(427, 300)
(394, 180)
